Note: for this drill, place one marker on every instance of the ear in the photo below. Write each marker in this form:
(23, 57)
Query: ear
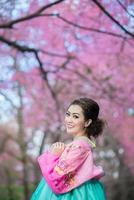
(88, 122)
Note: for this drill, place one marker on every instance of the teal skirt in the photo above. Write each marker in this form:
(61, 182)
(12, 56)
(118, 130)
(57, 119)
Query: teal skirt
(90, 190)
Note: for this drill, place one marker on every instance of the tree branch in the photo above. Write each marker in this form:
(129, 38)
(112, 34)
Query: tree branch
(24, 48)
(16, 45)
(31, 16)
(88, 28)
(8, 99)
(112, 18)
(53, 54)
(42, 70)
(122, 5)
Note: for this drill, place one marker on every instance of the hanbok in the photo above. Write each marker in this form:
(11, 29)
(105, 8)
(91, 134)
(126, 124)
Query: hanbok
(72, 175)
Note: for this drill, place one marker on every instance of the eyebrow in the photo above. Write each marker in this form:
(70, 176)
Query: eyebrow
(73, 113)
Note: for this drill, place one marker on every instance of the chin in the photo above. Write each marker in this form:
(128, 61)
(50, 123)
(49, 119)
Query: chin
(71, 132)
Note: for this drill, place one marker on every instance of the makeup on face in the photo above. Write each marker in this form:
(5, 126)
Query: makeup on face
(74, 120)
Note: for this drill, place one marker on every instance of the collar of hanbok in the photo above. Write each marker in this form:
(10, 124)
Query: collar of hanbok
(83, 137)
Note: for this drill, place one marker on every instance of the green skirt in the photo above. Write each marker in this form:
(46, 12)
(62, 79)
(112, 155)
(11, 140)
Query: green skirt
(90, 190)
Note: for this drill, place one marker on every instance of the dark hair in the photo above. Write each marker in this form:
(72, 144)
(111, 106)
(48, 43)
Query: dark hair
(91, 111)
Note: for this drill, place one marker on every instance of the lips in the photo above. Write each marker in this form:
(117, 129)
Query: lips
(70, 126)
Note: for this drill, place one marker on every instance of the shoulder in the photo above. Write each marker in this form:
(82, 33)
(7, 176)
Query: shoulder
(78, 146)
(76, 150)
(84, 142)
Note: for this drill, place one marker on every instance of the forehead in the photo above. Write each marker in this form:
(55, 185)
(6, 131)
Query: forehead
(75, 109)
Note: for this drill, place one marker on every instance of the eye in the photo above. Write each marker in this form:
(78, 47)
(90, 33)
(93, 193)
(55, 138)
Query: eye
(67, 114)
(75, 116)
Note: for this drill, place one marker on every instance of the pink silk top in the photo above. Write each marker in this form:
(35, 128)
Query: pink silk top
(70, 169)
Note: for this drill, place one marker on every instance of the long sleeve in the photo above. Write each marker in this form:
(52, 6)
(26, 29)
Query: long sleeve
(59, 171)
(71, 159)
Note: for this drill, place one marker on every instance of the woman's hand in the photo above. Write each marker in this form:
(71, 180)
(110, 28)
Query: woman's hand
(57, 148)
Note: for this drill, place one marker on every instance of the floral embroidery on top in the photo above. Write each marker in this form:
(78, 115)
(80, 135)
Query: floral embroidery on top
(60, 167)
(69, 179)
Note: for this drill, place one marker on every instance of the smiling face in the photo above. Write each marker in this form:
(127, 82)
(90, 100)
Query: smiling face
(74, 121)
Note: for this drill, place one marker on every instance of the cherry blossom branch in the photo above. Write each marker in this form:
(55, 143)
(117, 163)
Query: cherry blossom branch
(122, 5)
(8, 99)
(24, 48)
(31, 16)
(42, 70)
(89, 28)
(112, 18)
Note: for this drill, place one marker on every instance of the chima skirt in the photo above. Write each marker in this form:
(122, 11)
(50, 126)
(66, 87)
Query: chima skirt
(90, 190)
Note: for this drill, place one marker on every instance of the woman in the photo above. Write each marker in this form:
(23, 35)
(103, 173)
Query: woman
(68, 171)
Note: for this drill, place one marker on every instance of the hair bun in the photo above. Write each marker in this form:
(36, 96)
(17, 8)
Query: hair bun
(96, 127)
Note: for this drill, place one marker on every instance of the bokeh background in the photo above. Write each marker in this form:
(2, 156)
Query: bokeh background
(52, 52)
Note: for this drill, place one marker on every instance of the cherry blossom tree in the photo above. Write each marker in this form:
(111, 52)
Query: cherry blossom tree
(56, 51)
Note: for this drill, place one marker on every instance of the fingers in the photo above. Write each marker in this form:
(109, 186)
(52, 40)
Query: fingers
(60, 145)
(57, 148)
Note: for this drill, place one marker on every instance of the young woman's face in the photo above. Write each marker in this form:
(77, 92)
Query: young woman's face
(74, 121)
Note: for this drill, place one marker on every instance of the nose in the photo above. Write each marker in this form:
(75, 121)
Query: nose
(69, 119)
